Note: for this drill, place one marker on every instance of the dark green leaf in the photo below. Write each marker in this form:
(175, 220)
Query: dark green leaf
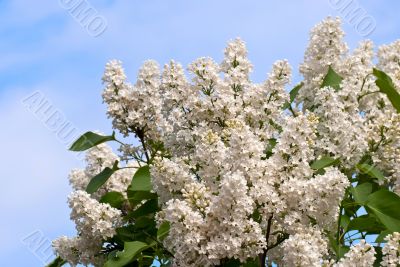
(231, 263)
(128, 255)
(361, 192)
(333, 243)
(150, 206)
(97, 181)
(332, 79)
(251, 263)
(256, 216)
(344, 221)
(163, 230)
(144, 222)
(341, 251)
(371, 171)
(57, 262)
(146, 261)
(366, 223)
(385, 205)
(381, 237)
(112, 254)
(126, 233)
(115, 199)
(293, 93)
(271, 145)
(141, 180)
(90, 139)
(136, 197)
(313, 221)
(323, 162)
(386, 86)
(350, 207)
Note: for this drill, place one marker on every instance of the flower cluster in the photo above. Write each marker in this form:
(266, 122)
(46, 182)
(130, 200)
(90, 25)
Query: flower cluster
(391, 250)
(245, 170)
(360, 255)
(305, 248)
(95, 222)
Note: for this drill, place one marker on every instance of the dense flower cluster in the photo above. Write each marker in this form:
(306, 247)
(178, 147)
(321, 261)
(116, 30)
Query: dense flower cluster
(232, 167)
(391, 251)
(360, 255)
(95, 221)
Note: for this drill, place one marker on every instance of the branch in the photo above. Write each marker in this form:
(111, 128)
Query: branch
(263, 257)
(140, 134)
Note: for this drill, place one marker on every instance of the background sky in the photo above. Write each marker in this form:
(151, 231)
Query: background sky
(45, 49)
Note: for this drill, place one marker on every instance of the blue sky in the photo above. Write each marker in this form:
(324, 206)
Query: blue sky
(44, 49)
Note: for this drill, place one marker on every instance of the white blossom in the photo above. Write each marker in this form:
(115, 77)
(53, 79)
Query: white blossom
(360, 255)
(304, 248)
(92, 217)
(232, 165)
(391, 250)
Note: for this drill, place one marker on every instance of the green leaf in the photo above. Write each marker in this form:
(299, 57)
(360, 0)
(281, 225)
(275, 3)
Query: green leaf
(386, 86)
(342, 250)
(350, 207)
(293, 93)
(141, 180)
(144, 222)
(339, 250)
(332, 79)
(231, 263)
(344, 221)
(251, 263)
(115, 199)
(57, 262)
(361, 192)
(128, 255)
(136, 197)
(163, 230)
(90, 139)
(366, 223)
(271, 145)
(126, 233)
(97, 181)
(381, 237)
(323, 162)
(313, 221)
(385, 205)
(150, 206)
(333, 243)
(371, 171)
(256, 216)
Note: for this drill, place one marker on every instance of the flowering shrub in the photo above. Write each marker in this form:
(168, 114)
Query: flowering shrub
(227, 172)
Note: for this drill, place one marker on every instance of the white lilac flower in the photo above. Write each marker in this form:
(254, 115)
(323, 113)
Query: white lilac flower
(93, 218)
(306, 247)
(360, 255)
(234, 165)
(391, 250)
